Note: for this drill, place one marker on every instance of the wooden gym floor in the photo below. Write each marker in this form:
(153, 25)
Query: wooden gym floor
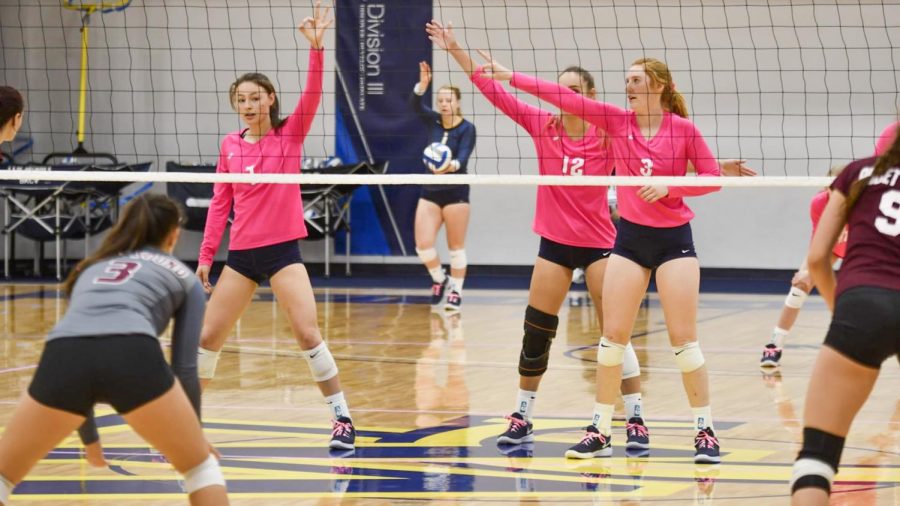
(428, 393)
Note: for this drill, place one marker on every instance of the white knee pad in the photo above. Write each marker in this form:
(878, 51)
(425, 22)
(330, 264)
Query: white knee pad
(795, 298)
(206, 362)
(689, 357)
(630, 366)
(205, 475)
(6, 488)
(426, 255)
(321, 363)
(458, 259)
(806, 467)
(609, 353)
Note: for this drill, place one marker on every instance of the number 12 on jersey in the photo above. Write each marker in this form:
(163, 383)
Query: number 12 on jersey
(572, 166)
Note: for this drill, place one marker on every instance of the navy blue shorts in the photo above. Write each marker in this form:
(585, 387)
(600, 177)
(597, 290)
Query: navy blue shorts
(866, 325)
(446, 195)
(259, 264)
(570, 257)
(651, 247)
(126, 371)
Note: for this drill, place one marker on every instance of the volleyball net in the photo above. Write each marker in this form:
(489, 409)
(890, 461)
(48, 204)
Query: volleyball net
(792, 87)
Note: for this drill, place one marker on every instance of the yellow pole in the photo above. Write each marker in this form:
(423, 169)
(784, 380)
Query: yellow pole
(82, 100)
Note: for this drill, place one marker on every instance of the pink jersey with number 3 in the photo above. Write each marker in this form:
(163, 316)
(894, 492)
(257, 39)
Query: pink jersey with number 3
(676, 143)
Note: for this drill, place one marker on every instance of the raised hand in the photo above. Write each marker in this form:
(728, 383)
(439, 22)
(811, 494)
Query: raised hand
(493, 69)
(424, 76)
(441, 36)
(313, 28)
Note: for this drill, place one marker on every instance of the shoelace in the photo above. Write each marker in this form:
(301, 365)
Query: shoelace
(453, 297)
(590, 436)
(637, 429)
(436, 289)
(515, 423)
(341, 428)
(704, 440)
(770, 352)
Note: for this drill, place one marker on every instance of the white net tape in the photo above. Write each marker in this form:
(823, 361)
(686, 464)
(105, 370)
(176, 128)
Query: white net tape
(37, 173)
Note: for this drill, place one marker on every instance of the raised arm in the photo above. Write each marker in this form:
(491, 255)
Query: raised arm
(186, 341)
(424, 112)
(313, 29)
(529, 117)
(606, 116)
(444, 38)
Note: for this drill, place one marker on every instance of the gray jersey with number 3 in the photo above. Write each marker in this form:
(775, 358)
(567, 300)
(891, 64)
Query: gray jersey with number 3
(139, 293)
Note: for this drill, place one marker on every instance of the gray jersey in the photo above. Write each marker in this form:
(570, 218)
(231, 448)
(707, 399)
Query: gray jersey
(139, 293)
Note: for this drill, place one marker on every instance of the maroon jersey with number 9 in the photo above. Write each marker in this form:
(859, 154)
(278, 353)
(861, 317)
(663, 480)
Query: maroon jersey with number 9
(873, 248)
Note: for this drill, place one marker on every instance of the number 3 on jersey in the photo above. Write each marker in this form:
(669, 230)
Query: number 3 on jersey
(117, 272)
(889, 224)
(646, 167)
(575, 168)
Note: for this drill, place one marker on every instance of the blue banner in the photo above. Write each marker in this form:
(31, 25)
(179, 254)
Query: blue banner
(379, 47)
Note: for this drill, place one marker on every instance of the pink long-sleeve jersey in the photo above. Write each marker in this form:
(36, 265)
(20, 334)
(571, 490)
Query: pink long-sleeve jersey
(676, 143)
(572, 215)
(264, 214)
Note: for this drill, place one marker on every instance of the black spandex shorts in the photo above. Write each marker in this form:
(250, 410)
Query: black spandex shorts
(259, 264)
(651, 247)
(570, 257)
(446, 195)
(866, 325)
(126, 371)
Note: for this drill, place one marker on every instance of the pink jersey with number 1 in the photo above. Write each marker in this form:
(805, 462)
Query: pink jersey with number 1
(264, 214)
(676, 143)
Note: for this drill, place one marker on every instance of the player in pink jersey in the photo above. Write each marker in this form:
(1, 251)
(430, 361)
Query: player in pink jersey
(268, 221)
(886, 137)
(865, 326)
(654, 138)
(575, 229)
(801, 284)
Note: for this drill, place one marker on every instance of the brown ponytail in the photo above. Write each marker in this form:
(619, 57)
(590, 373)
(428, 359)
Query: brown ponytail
(146, 221)
(658, 72)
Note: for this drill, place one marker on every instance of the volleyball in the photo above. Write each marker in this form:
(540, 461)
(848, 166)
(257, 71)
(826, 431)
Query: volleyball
(437, 156)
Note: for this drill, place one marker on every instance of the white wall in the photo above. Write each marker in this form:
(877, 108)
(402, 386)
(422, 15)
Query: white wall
(791, 88)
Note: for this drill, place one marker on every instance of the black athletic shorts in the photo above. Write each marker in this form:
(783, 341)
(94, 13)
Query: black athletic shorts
(866, 325)
(651, 247)
(259, 264)
(570, 257)
(125, 371)
(446, 195)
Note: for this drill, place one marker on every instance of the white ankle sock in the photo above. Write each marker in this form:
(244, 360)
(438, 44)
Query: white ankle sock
(632, 406)
(437, 274)
(338, 405)
(525, 403)
(702, 418)
(603, 418)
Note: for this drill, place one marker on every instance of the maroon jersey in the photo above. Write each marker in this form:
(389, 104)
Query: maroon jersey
(873, 248)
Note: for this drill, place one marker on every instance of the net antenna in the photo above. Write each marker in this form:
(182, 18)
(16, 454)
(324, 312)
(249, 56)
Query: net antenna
(86, 8)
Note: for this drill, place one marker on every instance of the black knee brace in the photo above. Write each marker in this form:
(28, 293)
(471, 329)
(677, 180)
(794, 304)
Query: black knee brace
(540, 329)
(821, 447)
